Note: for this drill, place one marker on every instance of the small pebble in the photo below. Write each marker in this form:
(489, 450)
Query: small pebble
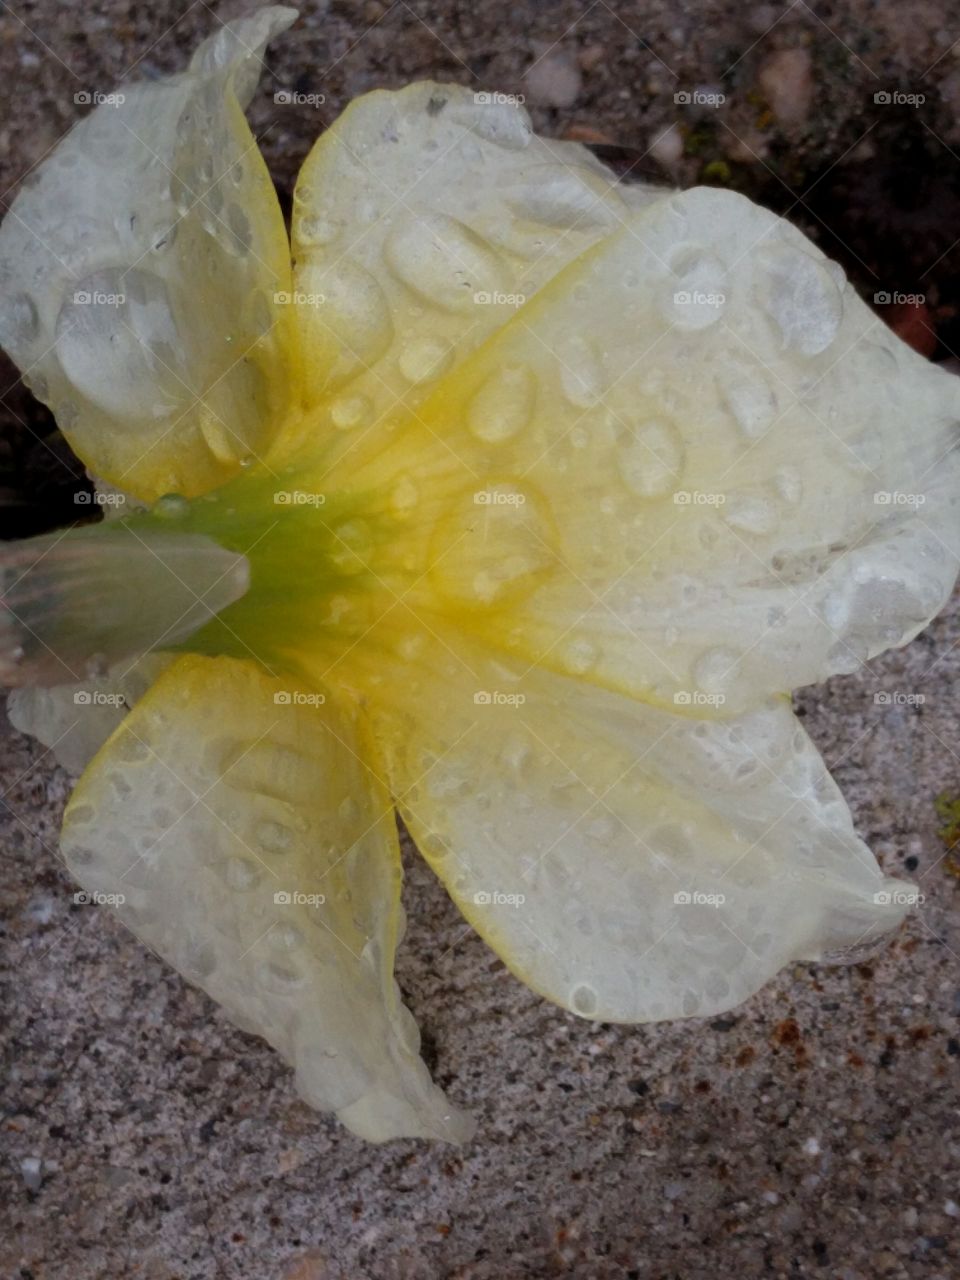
(31, 1170)
(786, 79)
(667, 146)
(811, 1147)
(553, 81)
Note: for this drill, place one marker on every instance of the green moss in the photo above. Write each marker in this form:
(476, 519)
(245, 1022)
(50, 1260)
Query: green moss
(948, 811)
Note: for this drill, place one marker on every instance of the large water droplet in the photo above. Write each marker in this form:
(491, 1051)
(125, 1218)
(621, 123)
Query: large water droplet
(444, 262)
(801, 297)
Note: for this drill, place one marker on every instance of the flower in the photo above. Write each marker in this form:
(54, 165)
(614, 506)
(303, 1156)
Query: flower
(516, 499)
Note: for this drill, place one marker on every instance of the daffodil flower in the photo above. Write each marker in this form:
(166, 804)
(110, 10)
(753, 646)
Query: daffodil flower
(506, 496)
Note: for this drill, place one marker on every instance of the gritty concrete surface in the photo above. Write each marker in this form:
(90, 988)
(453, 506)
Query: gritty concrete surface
(813, 1132)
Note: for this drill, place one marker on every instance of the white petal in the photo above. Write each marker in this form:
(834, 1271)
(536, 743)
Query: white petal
(75, 720)
(139, 267)
(628, 864)
(257, 851)
(422, 219)
(694, 466)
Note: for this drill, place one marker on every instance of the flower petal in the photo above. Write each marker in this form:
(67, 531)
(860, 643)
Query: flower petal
(258, 854)
(628, 864)
(693, 468)
(75, 720)
(422, 218)
(139, 268)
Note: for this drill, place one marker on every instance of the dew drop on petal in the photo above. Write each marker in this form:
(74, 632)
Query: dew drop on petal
(801, 297)
(503, 405)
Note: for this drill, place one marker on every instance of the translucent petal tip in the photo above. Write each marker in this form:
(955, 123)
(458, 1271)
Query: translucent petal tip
(72, 603)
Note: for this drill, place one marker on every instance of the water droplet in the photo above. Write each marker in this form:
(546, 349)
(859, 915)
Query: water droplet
(503, 405)
(579, 656)
(801, 297)
(352, 545)
(240, 233)
(316, 229)
(425, 358)
(583, 1000)
(274, 837)
(240, 874)
(348, 412)
(582, 377)
(788, 484)
(695, 294)
(172, 506)
(750, 400)
(404, 498)
(750, 513)
(443, 261)
(651, 458)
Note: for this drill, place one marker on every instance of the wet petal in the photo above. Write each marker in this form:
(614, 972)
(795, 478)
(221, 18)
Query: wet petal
(626, 863)
(257, 852)
(694, 468)
(75, 720)
(423, 218)
(139, 267)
